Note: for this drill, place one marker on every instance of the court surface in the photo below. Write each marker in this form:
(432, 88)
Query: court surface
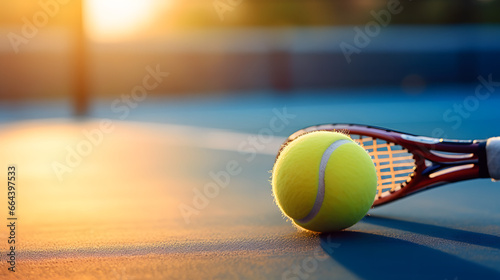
(115, 211)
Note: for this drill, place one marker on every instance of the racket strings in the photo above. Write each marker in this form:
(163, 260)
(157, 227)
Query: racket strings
(394, 164)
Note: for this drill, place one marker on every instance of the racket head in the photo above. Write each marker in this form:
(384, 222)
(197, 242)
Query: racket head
(407, 163)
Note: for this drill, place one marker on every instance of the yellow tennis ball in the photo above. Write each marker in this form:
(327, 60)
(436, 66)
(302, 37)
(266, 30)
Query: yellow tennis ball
(324, 181)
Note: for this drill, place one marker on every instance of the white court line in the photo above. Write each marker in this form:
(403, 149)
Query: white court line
(200, 137)
(217, 139)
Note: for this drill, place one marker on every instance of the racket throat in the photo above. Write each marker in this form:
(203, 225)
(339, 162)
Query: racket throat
(435, 169)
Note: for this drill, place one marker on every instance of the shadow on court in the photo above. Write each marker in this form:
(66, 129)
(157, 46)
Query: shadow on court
(371, 256)
(451, 234)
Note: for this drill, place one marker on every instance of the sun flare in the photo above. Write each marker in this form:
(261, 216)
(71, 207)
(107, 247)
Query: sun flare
(117, 19)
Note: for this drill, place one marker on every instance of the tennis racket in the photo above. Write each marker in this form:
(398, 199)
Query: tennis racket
(407, 164)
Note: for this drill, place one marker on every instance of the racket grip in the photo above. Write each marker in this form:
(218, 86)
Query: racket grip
(493, 157)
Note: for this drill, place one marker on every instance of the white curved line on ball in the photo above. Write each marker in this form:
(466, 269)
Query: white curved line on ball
(320, 195)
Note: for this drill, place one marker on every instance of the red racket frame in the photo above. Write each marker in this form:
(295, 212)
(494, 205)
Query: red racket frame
(421, 148)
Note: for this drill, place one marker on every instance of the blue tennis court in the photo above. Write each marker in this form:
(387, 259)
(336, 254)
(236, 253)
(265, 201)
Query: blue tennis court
(118, 211)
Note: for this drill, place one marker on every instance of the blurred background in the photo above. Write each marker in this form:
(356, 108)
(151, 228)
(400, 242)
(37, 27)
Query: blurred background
(239, 47)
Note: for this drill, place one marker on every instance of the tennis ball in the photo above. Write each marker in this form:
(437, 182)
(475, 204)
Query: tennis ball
(324, 181)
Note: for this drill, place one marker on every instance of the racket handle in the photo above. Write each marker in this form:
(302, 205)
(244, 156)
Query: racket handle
(493, 157)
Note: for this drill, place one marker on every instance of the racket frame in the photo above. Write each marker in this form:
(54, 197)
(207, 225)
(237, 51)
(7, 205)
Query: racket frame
(435, 159)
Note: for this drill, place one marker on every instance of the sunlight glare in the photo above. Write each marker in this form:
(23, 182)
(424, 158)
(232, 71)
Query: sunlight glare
(117, 19)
